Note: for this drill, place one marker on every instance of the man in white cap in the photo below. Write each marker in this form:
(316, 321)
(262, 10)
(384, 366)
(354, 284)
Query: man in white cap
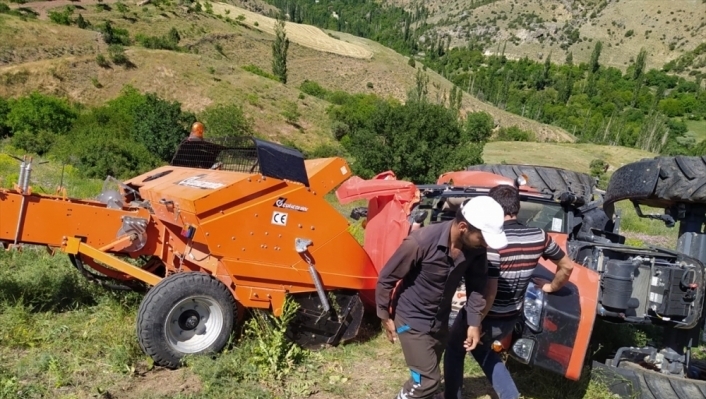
(431, 262)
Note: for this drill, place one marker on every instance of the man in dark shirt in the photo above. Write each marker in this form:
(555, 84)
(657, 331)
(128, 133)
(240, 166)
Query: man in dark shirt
(430, 263)
(516, 263)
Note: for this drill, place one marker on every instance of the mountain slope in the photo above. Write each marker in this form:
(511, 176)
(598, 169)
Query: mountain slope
(667, 29)
(39, 54)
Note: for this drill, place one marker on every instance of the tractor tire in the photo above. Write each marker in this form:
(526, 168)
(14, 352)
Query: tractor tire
(185, 313)
(660, 182)
(632, 380)
(546, 179)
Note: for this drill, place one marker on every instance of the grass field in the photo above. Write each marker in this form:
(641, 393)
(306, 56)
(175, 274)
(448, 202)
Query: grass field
(62, 337)
(698, 128)
(571, 156)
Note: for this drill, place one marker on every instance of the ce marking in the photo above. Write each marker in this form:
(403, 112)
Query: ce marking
(279, 218)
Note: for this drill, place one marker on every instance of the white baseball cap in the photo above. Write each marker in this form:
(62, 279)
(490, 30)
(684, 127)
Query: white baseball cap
(485, 214)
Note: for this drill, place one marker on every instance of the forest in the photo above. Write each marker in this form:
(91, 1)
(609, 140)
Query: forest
(640, 108)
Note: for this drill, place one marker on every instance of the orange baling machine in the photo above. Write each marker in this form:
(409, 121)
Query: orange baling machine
(229, 224)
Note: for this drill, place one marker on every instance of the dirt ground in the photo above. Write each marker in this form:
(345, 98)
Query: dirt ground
(43, 7)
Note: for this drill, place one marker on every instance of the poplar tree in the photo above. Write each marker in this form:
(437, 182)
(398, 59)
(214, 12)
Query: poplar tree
(279, 51)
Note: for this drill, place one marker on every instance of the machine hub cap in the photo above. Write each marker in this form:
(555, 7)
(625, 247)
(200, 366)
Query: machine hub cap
(194, 324)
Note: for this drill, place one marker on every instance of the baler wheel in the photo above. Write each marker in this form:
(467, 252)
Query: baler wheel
(185, 313)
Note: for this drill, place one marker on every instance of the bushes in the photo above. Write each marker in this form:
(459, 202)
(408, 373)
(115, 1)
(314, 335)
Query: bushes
(418, 140)
(128, 135)
(170, 41)
(514, 133)
(226, 120)
(36, 119)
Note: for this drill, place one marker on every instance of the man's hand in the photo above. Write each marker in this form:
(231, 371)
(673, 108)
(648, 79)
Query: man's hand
(390, 330)
(473, 335)
(548, 288)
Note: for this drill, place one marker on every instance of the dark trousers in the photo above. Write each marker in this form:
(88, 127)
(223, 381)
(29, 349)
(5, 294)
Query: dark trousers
(422, 352)
(490, 361)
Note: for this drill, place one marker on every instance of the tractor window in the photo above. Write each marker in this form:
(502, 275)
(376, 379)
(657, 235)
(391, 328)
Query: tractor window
(546, 216)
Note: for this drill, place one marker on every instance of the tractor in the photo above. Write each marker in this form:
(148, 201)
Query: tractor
(612, 282)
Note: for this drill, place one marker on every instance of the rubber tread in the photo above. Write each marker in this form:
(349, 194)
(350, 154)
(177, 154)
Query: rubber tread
(679, 179)
(654, 385)
(188, 283)
(546, 179)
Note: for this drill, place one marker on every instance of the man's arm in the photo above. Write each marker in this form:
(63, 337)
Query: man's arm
(399, 264)
(491, 286)
(475, 279)
(564, 268)
(491, 290)
(564, 265)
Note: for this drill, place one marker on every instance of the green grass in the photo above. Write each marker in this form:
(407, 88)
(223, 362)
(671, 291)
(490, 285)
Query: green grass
(698, 128)
(46, 176)
(570, 156)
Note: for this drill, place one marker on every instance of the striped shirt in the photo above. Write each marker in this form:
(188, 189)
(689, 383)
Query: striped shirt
(516, 263)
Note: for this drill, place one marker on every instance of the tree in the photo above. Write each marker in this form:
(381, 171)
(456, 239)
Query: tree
(479, 126)
(226, 120)
(419, 93)
(418, 140)
(638, 74)
(35, 121)
(279, 51)
(161, 125)
(4, 110)
(595, 56)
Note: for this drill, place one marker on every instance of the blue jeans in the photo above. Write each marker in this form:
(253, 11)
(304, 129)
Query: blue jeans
(489, 360)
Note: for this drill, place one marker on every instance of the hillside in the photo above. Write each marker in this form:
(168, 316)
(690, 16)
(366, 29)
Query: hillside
(667, 29)
(216, 44)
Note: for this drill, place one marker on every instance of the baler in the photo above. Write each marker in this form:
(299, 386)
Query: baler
(230, 224)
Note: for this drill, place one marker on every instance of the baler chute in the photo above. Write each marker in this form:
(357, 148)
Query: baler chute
(230, 224)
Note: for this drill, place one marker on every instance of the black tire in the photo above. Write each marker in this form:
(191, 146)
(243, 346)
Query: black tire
(188, 289)
(660, 182)
(546, 179)
(631, 380)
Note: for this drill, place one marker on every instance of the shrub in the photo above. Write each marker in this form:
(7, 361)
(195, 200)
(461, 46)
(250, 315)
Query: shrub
(257, 71)
(479, 126)
(101, 61)
(61, 17)
(33, 120)
(290, 111)
(313, 89)
(598, 167)
(226, 120)
(117, 54)
(514, 133)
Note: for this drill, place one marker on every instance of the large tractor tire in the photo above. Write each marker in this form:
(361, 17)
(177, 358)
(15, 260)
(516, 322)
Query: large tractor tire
(660, 182)
(633, 381)
(185, 313)
(546, 179)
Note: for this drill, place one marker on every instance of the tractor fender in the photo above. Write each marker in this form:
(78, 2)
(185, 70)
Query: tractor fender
(390, 202)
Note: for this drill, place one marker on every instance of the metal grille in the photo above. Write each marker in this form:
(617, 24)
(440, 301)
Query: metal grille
(238, 154)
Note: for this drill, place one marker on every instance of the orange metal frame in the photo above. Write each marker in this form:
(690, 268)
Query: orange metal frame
(238, 227)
